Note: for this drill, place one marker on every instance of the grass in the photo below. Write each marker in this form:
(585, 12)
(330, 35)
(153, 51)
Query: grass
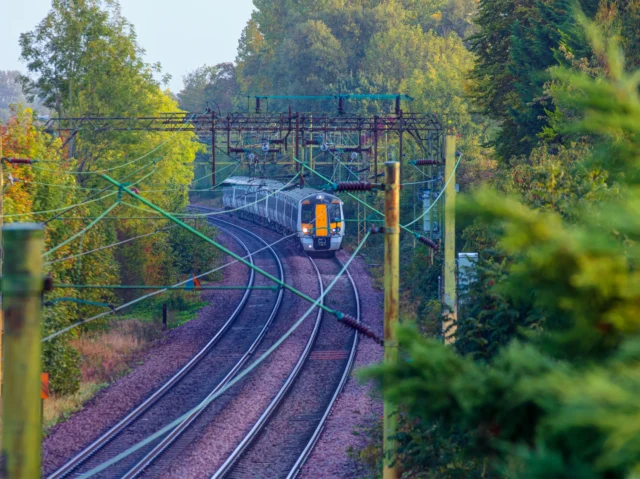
(181, 310)
(105, 357)
(60, 408)
(109, 354)
(178, 318)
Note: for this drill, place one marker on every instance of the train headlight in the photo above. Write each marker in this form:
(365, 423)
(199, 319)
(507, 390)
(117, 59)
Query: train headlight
(305, 230)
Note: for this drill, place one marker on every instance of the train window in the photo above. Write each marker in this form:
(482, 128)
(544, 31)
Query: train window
(308, 213)
(334, 212)
(250, 196)
(280, 204)
(287, 211)
(272, 203)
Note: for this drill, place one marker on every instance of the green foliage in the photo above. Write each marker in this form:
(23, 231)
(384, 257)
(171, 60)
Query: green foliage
(83, 58)
(517, 42)
(559, 402)
(191, 254)
(324, 47)
(75, 54)
(217, 85)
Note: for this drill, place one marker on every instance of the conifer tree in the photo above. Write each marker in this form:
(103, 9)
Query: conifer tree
(560, 403)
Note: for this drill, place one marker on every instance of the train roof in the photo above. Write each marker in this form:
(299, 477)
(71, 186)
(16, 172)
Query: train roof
(250, 181)
(294, 192)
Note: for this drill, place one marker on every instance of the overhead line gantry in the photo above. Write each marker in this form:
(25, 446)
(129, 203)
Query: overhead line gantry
(284, 131)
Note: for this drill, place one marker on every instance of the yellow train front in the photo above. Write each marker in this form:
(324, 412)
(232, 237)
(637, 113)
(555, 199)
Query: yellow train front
(315, 216)
(321, 223)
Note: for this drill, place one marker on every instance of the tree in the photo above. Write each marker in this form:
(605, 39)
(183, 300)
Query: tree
(216, 85)
(517, 42)
(82, 56)
(11, 95)
(560, 403)
(83, 59)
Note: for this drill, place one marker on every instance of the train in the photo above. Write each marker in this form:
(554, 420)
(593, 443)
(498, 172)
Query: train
(316, 217)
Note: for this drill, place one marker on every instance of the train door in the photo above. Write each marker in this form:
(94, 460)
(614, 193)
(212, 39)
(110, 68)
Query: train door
(322, 220)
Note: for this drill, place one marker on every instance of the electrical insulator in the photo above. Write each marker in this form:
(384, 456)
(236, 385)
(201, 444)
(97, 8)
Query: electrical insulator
(426, 162)
(353, 156)
(324, 147)
(353, 186)
(360, 328)
(18, 161)
(251, 157)
(429, 242)
(265, 147)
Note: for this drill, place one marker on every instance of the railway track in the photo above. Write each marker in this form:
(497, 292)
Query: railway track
(184, 433)
(212, 367)
(281, 441)
(304, 399)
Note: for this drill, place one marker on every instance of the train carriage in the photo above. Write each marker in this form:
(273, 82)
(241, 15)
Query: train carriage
(315, 216)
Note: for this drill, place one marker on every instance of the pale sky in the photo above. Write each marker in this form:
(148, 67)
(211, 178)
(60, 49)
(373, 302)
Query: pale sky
(180, 34)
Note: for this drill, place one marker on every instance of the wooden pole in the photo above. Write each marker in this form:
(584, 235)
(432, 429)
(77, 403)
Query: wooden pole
(375, 149)
(164, 316)
(391, 302)
(1, 258)
(22, 287)
(449, 273)
(297, 148)
(213, 149)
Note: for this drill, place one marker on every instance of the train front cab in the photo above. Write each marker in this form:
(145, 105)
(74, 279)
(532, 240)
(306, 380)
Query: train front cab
(321, 223)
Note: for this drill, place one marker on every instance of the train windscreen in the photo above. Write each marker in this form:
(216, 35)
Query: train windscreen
(308, 213)
(334, 213)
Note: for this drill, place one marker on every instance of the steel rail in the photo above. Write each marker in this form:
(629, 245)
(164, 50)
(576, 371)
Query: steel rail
(228, 465)
(237, 453)
(112, 433)
(160, 448)
(297, 467)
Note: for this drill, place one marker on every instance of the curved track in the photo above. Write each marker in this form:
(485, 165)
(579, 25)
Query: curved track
(183, 429)
(211, 368)
(281, 441)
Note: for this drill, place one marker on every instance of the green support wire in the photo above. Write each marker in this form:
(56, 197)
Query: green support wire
(367, 205)
(80, 233)
(346, 96)
(368, 220)
(348, 194)
(146, 202)
(143, 286)
(233, 381)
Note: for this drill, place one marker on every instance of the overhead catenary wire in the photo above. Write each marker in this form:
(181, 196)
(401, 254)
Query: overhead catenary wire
(213, 187)
(178, 188)
(216, 213)
(426, 211)
(154, 293)
(404, 227)
(67, 208)
(79, 323)
(94, 222)
(344, 165)
(87, 201)
(185, 226)
(234, 381)
(106, 189)
(80, 233)
(34, 213)
(104, 170)
(112, 245)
